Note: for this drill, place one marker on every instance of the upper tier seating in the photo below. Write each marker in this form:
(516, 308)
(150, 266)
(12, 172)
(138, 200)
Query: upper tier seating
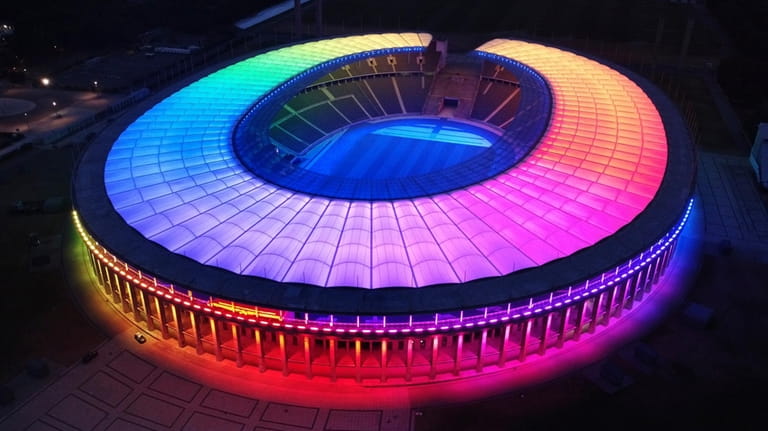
(496, 102)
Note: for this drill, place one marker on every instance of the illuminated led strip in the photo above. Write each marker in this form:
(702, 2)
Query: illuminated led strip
(173, 177)
(535, 306)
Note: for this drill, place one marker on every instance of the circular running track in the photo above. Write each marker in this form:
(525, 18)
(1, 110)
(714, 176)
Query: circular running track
(172, 175)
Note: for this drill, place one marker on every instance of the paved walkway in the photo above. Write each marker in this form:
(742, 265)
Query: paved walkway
(732, 207)
(120, 390)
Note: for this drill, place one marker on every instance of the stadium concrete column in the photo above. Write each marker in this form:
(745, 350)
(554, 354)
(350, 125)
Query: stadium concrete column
(238, 345)
(649, 271)
(654, 277)
(656, 270)
(195, 320)
(408, 359)
(622, 298)
(481, 350)
(665, 261)
(102, 277)
(147, 310)
(358, 362)
(525, 335)
(580, 310)
(109, 288)
(504, 344)
(160, 306)
(132, 300)
(597, 302)
(259, 349)
(384, 360)
(545, 332)
(319, 17)
(100, 271)
(93, 260)
(176, 315)
(565, 314)
(123, 293)
(610, 304)
(640, 285)
(283, 353)
(433, 359)
(307, 356)
(664, 258)
(115, 286)
(332, 358)
(632, 291)
(216, 338)
(459, 353)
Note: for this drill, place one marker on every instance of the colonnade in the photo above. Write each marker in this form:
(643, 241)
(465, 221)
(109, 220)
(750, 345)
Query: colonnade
(373, 357)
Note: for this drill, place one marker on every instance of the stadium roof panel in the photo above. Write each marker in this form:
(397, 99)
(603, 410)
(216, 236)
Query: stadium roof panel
(172, 176)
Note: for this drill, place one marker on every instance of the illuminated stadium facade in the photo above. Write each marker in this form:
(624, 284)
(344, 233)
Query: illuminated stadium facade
(342, 208)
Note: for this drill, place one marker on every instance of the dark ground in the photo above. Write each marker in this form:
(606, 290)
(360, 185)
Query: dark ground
(37, 306)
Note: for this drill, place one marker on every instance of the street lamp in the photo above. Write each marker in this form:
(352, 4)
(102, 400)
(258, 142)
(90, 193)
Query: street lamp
(26, 119)
(45, 81)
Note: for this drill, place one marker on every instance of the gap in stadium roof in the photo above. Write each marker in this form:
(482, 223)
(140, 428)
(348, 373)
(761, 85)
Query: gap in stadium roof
(332, 113)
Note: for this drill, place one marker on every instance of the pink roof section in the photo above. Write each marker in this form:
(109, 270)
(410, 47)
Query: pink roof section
(598, 165)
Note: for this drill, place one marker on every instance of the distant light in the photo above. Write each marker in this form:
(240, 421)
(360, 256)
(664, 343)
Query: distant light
(45, 81)
(53, 103)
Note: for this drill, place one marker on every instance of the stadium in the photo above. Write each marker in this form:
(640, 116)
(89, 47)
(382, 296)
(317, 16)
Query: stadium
(373, 208)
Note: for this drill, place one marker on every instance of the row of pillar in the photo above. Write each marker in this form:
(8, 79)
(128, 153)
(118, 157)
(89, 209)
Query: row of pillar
(267, 348)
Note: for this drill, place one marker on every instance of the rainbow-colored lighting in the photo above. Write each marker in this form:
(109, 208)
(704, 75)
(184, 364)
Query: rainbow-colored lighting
(324, 323)
(172, 175)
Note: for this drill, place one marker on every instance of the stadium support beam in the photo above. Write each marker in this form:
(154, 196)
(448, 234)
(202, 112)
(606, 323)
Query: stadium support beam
(332, 357)
(196, 330)
(216, 338)
(384, 360)
(238, 345)
(433, 358)
(459, 353)
(481, 350)
(307, 356)
(259, 349)
(545, 333)
(503, 346)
